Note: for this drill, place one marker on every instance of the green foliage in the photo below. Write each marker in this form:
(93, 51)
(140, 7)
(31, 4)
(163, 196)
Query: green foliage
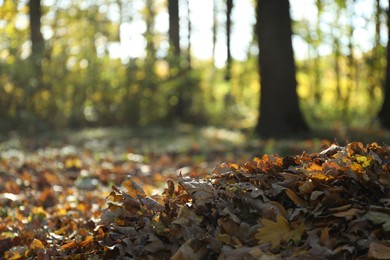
(83, 85)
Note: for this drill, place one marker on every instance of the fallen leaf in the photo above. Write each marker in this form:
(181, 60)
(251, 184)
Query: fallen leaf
(379, 218)
(36, 244)
(5, 244)
(133, 189)
(294, 197)
(278, 232)
(379, 251)
(70, 244)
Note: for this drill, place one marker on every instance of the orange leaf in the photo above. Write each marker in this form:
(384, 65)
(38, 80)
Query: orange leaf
(88, 240)
(68, 245)
(133, 189)
(233, 166)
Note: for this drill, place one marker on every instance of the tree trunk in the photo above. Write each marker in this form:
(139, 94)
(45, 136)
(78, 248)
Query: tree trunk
(373, 61)
(189, 29)
(316, 60)
(174, 28)
(279, 113)
(229, 8)
(215, 28)
(149, 34)
(352, 75)
(337, 55)
(37, 44)
(384, 113)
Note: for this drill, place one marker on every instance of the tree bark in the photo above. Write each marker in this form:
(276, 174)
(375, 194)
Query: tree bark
(149, 34)
(229, 8)
(189, 29)
(279, 113)
(215, 28)
(384, 113)
(37, 43)
(174, 27)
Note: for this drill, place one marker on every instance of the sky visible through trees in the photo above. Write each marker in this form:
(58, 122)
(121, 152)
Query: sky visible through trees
(133, 43)
(243, 20)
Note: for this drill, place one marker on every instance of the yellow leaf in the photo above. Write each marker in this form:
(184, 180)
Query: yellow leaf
(357, 168)
(36, 244)
(319, 175)
(363, 160)
(279, 231)
(273, 232)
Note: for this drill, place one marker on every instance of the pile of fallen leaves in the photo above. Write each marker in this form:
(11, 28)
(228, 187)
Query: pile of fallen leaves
(333, 204)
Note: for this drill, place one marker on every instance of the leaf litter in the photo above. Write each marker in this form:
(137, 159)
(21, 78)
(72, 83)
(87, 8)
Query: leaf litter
(326, 205)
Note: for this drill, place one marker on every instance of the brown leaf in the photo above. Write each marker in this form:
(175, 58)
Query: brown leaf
(378, 218)
(5, 244)
(379, 251)
(200, 190)
(295, 198)
(190, 250)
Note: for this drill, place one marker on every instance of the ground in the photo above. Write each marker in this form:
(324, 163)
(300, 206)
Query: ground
(56, 188)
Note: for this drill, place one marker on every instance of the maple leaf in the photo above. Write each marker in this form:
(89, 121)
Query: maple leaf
(278, 232)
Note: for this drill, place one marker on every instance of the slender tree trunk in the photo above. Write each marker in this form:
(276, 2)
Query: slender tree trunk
(279, 113)
(337, 56)
(215, 28)
(317, 71)
(149, 34)
(352, 83)
(189, 28)
(374, 70)
(384, 113)
(229, 8)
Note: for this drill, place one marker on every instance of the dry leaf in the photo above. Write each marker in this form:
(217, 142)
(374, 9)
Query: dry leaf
(278, 232)
(379, 251)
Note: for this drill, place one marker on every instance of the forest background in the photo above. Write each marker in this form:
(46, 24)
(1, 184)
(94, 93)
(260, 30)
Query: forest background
(74, 64)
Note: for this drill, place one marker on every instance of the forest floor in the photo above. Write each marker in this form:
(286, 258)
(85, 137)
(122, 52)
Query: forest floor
(54, 186)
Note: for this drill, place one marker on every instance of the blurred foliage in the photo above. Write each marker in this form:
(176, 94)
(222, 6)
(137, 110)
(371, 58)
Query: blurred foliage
(87, 86)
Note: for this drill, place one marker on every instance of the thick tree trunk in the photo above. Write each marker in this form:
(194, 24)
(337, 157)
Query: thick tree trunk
(279, 113)
(174, 28)
(384, 113)
(37, 44)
